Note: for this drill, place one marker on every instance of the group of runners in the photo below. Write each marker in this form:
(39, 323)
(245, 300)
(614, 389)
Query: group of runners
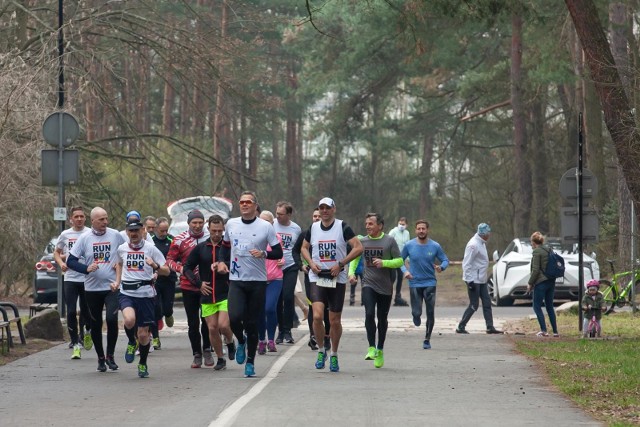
(238, 279)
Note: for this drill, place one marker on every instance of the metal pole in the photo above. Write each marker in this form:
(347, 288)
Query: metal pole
(633, 257)
(61, 307)
(580, 257)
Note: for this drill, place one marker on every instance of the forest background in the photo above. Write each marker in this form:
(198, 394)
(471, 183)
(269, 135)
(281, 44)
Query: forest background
(456, 111)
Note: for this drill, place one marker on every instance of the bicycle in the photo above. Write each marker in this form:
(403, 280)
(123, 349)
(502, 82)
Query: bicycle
(593, 328)
(619, 291)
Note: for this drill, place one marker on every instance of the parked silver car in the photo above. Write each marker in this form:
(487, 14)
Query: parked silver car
(179, 210)
(512, 269)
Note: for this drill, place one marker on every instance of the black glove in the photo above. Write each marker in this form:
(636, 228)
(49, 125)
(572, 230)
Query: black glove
(470, 286)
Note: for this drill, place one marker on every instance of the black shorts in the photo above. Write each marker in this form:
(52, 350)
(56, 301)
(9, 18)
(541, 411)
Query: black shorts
(144, 308)
(331, 297)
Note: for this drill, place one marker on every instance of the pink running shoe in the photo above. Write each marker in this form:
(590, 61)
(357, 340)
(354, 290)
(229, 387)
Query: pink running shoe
(272, 346)
(262, 347)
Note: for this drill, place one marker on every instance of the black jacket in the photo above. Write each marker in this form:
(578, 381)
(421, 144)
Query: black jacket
(202, 257)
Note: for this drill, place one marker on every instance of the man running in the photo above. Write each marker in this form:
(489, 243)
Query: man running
(179, 252)
(288, 232)
(325, 250)
(204, 259)
(245, 251)
(381, 257)
(137, 262)
(74, 284)
(165, 285)
(98, 248)
(422, 253)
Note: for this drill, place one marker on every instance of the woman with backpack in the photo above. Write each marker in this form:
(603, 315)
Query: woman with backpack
(543, 287)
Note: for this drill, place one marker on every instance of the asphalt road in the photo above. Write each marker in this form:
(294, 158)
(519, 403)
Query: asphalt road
(474, 379)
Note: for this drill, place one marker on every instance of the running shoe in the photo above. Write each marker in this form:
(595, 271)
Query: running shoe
(333, 364)
(249, 370)
(111, 363)
(142, 371)
(371, 354)
(70, 344)
(262, 347)
(102, 366)
(130, 354)
(197, 361)
(426, 345)
(280, 337)
(241, 353)
(416, 320)
(208, 358)
(87, 341)
(157, 345)
(169, 321)
(378, 362)
(460, 330)
(76, 352)
(542, 334)
(327, 343)
(313, 344)
(320, 361)
(288, 338)
(493, 330)
(222, 364)
(271, 347)
(160, 324)
(231, 350)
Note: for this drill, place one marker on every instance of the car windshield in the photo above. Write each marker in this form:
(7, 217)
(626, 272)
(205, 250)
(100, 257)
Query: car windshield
(179, 210)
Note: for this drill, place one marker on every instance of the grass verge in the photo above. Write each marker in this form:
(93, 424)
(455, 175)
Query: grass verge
(600, 375)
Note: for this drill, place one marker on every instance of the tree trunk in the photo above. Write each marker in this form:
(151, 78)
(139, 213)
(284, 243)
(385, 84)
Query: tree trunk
(219, 126)
(523, 168)
(541, 171)
(168, 100)
(617, 111)
(425, 175)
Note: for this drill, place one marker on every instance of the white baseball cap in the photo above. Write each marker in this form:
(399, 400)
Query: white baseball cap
(327, 201)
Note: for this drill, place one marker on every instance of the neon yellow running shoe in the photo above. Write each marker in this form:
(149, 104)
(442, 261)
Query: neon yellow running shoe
(371, 354)
(378, 362)
(87, 341)
(76, 352)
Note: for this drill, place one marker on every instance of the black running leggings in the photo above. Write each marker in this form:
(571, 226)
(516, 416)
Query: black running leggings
(197, 326)
(166, 293)
(286, 301)
(96, 302)
(73, 291)
(327, 325)
(370, 299)
(246, 303)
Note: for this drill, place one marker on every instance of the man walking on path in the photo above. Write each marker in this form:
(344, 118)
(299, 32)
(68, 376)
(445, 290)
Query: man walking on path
(74, 284)
(98, 248)
(244, 252)
(288, 232)
(402, 236)
(422, 253)
(325, 250)
(381, 257)
(475, 266)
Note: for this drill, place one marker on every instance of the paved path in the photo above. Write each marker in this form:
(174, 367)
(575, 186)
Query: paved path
(474, 379)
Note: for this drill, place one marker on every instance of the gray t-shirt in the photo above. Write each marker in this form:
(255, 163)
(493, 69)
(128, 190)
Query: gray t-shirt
(243, 237)
(289, 235)
(101, 249)
(385, 248)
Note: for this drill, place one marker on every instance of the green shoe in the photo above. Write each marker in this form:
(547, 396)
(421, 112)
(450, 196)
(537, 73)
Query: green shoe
(76, 352)
(378, 362)
(142, 371)
(371, 354)
(87, 341)
(130, 354)
(168, 320)
(156, 344)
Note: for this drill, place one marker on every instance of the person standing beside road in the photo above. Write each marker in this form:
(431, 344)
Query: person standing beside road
(178, 254)
(137, 262)
(98, 248)
(475, 267)
(422, 253)
(74, 284)
(402, 236)
(165, 285)
(325, 250)
(543, 288)
(204, 259)
(381, 256)
(244, 252)
(288, 232)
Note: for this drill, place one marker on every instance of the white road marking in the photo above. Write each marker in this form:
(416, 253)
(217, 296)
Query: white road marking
(229, 414)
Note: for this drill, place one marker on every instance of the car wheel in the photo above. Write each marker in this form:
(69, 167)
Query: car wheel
(494, 294)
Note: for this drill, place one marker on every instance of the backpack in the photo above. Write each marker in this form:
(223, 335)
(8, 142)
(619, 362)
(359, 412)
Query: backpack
(555, 266)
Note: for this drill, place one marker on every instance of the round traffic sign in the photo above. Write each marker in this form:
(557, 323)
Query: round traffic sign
(60, 128)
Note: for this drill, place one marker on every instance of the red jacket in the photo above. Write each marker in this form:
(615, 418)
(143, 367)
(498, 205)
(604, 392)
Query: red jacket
(179, 251)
